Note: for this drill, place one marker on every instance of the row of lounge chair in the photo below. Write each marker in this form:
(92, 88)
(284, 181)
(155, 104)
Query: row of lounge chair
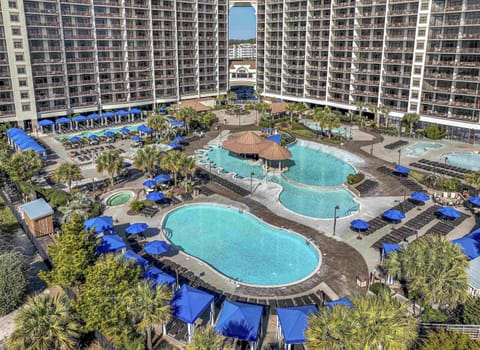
(225, 183)
(12, 192)
(425, 217)
(444, 166)
(367, 187)
(395, 236)
(444, 227)
(379, 222)
(438, 170)
(405, 181)
(82, 127)
(396, 144)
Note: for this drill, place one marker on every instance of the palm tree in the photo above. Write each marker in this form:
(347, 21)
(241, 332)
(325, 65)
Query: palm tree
(432, 180)
(385, 112)
(409, 120)
(360, 108)
(258, 95)
(22, 166)
(295, 109)
(373, 108)
(66, 173)
(473, 179)
(236, 111)
(156, 122)
(79, 204)
(172, 162)
(110, 162)
(45, 323)
(207, 339)
(147, 159)
(187, 114)
(188, 167)
(220, 100)
(442, 339)
(150, 307)
(232, 97)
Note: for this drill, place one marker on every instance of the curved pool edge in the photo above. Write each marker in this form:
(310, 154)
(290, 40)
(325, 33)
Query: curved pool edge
(114, 192)
(230, 279)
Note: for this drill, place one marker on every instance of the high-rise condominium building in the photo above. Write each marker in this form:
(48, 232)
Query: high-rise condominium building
(241, 51)
(60, 57)
(398, 56)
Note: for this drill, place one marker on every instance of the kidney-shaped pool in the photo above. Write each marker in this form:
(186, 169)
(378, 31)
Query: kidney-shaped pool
(240, 246)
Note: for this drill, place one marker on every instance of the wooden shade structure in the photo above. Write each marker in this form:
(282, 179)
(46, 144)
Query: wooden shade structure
(38, 216)
(275, 152)
(248, 143)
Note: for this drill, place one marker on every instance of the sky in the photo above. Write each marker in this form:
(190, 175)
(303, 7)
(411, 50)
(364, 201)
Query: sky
(242, 23)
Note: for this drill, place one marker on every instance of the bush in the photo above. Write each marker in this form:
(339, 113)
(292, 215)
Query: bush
(353, 179)
(13, 281)
(379, 287)
(432, 315)
(57, 198)
(433, 132)
(8, 223)
(136, 206)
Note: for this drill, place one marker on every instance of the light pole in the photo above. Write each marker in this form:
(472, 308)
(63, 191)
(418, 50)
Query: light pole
(210, 171)
(399, 155)
(251, 181)
(335, 218)
(446, 160)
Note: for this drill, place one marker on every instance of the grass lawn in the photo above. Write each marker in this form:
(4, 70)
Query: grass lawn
(8, 223)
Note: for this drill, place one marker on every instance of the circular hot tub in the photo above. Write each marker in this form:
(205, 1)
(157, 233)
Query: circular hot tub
(119, 198)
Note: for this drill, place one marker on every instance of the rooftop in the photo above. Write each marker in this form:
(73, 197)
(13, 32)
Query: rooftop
(37, 209)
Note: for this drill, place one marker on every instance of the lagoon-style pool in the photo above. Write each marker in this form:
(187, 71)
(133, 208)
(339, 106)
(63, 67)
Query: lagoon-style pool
(420, 148)
(467, 160)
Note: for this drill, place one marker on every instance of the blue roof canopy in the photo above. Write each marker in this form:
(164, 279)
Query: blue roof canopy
(402, 170)
(158, 276)
(110, 244)
(74, 139)
(131, 255)
(342, 301)
(470, 247)
(149, 183)
(124, 130)
(174, 145)
(108, 114)
(37, 209)
(450, 212)
(390, 248)
(177, 123)
(359, 224)
(420, 196)
(45, 122)
(475, 200)
(277, 138)
(109, 134)
(394, 215)
(62, 120)
(136, 228)
(189, 303)
(94, 116)
(14, 131)
(100, 223)
(155, 196)
(475, 234)
(293, 321)
(144, 128)
(162, 178)
(179, 138)
(156, 247)
(136, 138)
(239, 320)
(121, 112)
(135, 111)
(79, 118)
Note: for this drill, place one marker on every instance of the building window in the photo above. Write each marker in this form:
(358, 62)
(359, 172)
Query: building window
(416, 82)
(413, 106)
(418, 58)
(421, 32)
(423, 19)
(26, 107)
(415, 95)
(24, 94)
(22, 82)
(16, 31)
(420, 45)
(17, 44)
(12, 4)
(424, 5)
(14, 18)
(21, 70)
(417, 70)
(19, 58)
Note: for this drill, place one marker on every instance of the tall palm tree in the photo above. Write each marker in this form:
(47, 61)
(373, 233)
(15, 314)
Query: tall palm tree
(187, 114)
(188, 167)
(295, 109)
(373, 108)
(111, 162)
(147, 159)
(220, 100)
(409, 120)
(207, 339)
(150, 307)
(473, 179)
(258, 95)
(22, 166)
(360, 108)
(79, 204)
(172, 162)
(332, 123)
(67, 173)
(385, 112)
(232, 97)
(45, 323)
(156, 122)
(236, 111)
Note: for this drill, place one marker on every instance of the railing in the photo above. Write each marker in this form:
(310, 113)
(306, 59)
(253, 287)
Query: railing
(470, 329)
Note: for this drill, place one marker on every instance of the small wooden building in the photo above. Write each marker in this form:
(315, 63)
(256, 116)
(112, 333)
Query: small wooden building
(38, 216)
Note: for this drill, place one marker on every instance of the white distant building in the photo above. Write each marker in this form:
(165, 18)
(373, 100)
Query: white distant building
(243, 73)
(240, 51)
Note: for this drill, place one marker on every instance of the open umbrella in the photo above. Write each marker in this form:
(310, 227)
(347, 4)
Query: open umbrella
(136, 228)
(74, 139)
(155, 196)
(124, 130)
(136, 138)
(474, 200)
(419, 196)
(449, 212)
(109, 134)
(179, 138)
(149, 183)
(156, 247)
(127, 164)
(394, 215)
(174, 145)
(162, 178)
(93, 137)
(402, 170)
(359, 225)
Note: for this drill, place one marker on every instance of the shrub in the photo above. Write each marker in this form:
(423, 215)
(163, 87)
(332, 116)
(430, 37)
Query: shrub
(8, 223)
(379, 287)
(13, 281)
(136, 206)
(433, 132)
(432, 315)
(57, 197)
(353, 179)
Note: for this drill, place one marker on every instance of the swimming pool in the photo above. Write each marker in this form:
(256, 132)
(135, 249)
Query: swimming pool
(98, 133)
(421, 148)
(467, 160)
(247, 249)
(119, 198)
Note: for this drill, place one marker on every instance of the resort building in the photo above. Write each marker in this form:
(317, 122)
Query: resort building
(66, 57)
(242, 51)
(396, 56)
(243, 73)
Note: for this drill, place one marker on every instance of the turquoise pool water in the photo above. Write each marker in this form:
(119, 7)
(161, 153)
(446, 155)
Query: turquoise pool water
(342, 131)
(421, 148)
(467, 160)
(98, 133)
(246, 250)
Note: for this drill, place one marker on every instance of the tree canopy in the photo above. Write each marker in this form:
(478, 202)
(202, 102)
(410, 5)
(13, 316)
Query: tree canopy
(111, 162)
(206, 339)
(22, 166)
(66, 173)
(442, 339)
(13, 281)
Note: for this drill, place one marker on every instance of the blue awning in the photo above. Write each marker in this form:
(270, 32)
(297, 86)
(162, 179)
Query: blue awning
(62, 120)
(470, 247)
(144, 128)
(14, 131)
(136, 228)
(475, 201)
(450, 212)
(177, 123)
(189, 303)
(390, 248)
(108, 114)
(18, 138)
(155, 196)
(100, 223)
(475, 234)
(277, 138)
(342, 301)
(179, 138)
(149, 183)
(121, 112)
(45, 122)
(174, 145)
(135, 111)
(293, 321)
(359, 224)
(162, 109)
(162, 178)
(158, 277)
(79, 118)
(420, 196)
(131, 255)
(239, 320)
(394, 215)
(110, 244)
(94, 116)
(402, 170)
(156, 247)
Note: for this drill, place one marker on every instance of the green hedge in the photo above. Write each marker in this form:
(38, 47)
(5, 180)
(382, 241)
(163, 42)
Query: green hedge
(353, 179)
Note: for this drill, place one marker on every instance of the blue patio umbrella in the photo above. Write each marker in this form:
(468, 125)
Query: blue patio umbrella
(108, 114)
(449, 212)
(470, 247)
(100, 223)
(144, 128)
(420, 196)
(158, 277)
(475, 201)
(394, 215)
(110, 244)
(149, 183)
(136, 228)
(342, 301)
(109, 134)
(74, 139)
(179, 138)
(162, 178)
(127, 164)
(124, 130)
(155, 196)
(390, 248)
(293, 322)
(45, 122)
(177, 123)
(359, 224)
(93, 137)
(79, 118)
(475, 234)
(402, 170)
(135, 111)
(62, 120)
(162, 109)
(136, 138)
(156, 247)
(137, 259)
(239, 320)
(174, 145)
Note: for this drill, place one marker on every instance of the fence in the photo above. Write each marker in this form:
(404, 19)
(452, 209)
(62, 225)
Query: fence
(471, 329)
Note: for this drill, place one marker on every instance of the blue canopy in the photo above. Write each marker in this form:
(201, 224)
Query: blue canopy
(15, 131)
(94, 116)
(162, 109)
(124, 130)
(136, 138)
(470, 247)
(131, 255)
(100, 223)
(135, 111)
(188, 303)
(277, 138)
(31, 145)
(74, 139)
(158, 276)
(390, 248)
(110, 243)
(19, 137)
(149, 183)
(79, 118)
(155, 196)
(156, 247)
(475, 234)
(144, 128)
(127, 164)
(162, 178)
(177, 123)
(293, 321)
(342, 301)
(108, 114)
(179, 138)
(402, 170)
(121, 112)
(474, 200)
(45, 122)
(136, 228)
(93, 137)
(359, 224)
(109, 134)
(62, 120)
(450, 212)
(174, 145)
(420, 196)
(239, 320)
(394, 215)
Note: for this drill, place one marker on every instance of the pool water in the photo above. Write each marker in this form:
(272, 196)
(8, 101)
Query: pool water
(119, 198)
(98, 133)
(467, 160)
(246, 250)
(421, 148)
